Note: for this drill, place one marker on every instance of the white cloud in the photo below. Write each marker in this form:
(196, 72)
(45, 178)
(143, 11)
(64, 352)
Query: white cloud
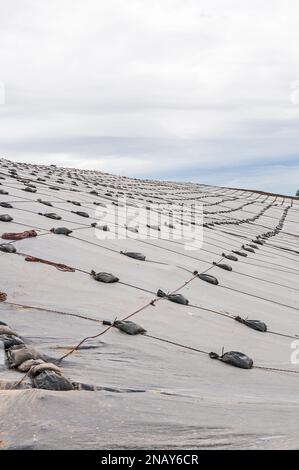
(187, 70)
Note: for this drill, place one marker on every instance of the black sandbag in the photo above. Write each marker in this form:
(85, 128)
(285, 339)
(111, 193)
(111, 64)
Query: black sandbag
(246, 248)
(132, 229)
(227, 267)
(153, 227)
(20, 353)
(81, 213)
(51, 215)
(28, 189)
(129, 327)
(51, 380)
(252, 245)
(134, 254)
(5, 218)
(6, 205)
(234, 358)
(230, 257)
(104, 277)
(105, 228)
(10, 340)
(46, 203)
(240, 253)
(177, 298)
(254, 324)
(6, 330)
(61, 231)
(3, 192)
(7, 248)
(208, 278)
(75, 203)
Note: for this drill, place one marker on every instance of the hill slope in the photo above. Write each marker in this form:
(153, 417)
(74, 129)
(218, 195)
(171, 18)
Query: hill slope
(160, 389)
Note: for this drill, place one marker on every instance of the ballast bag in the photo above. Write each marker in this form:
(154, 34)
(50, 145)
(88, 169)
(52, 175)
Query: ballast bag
(132, 229)
(230, 257)
(46, 203)
(6, 205)
(28, 189)
(51, 215)
(75, 203)
(3, 297)
(134, 254)
(104, 277)
(240, 253)
(226, 267)
(208, 278)
(61, 231)
(6, 330)
(82, 214)
(247, 248)
(154, 227)
(5, 218)
(129, 327)
(7, 248)
(10, 340)
(20, 353)
(19, 236)
(105, 228)
(3, 192)
(254, 324)
(51, 380)
(177, 298)
(234, 358)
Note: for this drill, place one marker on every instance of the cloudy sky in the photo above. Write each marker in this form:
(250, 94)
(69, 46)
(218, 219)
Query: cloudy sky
(194, 90)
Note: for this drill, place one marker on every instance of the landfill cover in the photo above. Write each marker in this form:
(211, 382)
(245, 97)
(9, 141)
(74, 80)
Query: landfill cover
(115, 333)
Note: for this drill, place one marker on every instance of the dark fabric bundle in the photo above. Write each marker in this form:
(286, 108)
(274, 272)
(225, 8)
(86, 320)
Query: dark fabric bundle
(82, 214)
(28, 189)
(20, 353)
(154, 227)
(7, 248)
(51, 215)
(234, 358)
(254, 324)
(61, 231)
(104, 277)
(227, 267)
(47, 377)
(132, 229)
(208, 278)
(6, 330)
(246, 248)
(46, 203)
(105, 228)
(6, 205)
(231, 257)
(5, 218)
(3, 296)
(59, 266)
(129, 327)
(75, 203)
(19, 236)
(133, 254)
(177, 298)
(258, 242)
(253, 246)
(10, 340)
(240, 253)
